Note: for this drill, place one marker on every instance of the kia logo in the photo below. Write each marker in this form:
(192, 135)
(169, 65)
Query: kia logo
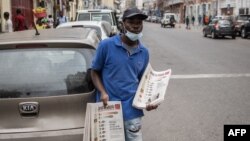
(28, 107)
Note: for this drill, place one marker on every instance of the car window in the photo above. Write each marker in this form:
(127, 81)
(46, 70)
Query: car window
(224, 22)
(214, 21)
(244, 18)
(44, 72)
(84, 17)
(101, 17)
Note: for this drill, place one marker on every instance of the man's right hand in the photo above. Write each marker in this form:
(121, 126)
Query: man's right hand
(105, 99)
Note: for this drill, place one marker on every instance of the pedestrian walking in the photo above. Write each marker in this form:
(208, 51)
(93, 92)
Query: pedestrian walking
(199, 20)
(8, 27)
(187, 22)
(117, 68)
(61, 19)
(193, 20)
(19, 21)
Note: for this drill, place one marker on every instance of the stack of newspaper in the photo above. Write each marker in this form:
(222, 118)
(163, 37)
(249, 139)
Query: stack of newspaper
(104, 124)
(152, 88)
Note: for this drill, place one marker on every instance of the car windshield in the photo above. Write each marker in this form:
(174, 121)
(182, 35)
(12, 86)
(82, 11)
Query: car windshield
(224, 22)
(244, 18)
(101, 17)
(95, 17)
(43, 72)
(84, 17)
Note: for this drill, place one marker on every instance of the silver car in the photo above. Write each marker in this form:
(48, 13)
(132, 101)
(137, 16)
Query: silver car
(103, 28)
(45, 84)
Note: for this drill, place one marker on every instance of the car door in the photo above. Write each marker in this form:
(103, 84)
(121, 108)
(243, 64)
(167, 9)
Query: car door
(211, 26)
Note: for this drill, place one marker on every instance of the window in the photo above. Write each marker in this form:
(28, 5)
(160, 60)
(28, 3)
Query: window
(101, 17)
(44, 72)
(84, 17)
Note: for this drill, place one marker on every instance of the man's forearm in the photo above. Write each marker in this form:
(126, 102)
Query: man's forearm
(96, 78)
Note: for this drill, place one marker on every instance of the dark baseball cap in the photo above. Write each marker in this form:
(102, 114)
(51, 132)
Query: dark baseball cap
(132, 12)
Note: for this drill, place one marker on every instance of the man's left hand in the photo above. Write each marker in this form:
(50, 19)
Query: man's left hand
(151, 107)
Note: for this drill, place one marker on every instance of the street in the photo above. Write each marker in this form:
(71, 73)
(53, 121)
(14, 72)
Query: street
(208, 89)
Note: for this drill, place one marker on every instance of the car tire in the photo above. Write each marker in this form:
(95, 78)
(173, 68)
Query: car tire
(233, 36)
(204, 34)
(213, 35)
(243, 33)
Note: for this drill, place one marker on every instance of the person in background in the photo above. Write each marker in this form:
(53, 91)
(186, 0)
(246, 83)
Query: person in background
(8, 23)
(61, 19)
(187, 22)
(117, 68)
(19, 21)
(193, 20)
(51, 21)
(199, 20)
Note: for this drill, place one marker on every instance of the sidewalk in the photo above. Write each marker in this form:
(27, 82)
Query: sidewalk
(192, 28)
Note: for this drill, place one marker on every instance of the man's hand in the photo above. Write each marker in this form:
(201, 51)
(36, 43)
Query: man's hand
(104, 99)
(151, 107)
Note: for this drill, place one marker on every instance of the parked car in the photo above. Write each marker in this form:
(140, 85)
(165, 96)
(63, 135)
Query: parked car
(245, 29)
(219, 28)
(99, 15)
(148, 19)
(45, 84)
(103, 28)
(169, 19)
(154, 19)
(240, 21)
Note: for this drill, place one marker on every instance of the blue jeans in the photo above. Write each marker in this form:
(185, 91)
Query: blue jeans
(133, 130)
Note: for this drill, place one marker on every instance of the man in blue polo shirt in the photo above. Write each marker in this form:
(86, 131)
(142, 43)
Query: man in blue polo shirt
(117, 69)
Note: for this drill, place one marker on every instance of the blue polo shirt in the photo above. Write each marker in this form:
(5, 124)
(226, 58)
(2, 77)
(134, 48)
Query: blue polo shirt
(120, 72)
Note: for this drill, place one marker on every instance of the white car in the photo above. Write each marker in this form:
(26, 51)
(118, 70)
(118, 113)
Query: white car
(103, 28)
(99, 15)
(166, 20)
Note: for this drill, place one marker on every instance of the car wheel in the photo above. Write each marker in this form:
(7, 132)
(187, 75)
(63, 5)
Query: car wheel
(243, 33)
(213, 35)
(233, 36)
(204, 33)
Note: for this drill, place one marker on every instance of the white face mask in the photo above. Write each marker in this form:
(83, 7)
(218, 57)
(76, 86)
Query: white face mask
(133, 36)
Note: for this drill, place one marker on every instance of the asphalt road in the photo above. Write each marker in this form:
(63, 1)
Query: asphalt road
(210, 84)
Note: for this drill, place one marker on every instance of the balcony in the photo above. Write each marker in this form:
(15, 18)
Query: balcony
(117, 2)
(173, 2)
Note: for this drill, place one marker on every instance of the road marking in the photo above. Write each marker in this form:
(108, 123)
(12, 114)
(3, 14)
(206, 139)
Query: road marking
(197, 76)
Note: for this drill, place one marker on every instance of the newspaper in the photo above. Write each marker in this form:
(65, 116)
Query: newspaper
(104, 124)
(152, 88)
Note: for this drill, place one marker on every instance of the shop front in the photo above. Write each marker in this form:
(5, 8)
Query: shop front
(26, 7)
